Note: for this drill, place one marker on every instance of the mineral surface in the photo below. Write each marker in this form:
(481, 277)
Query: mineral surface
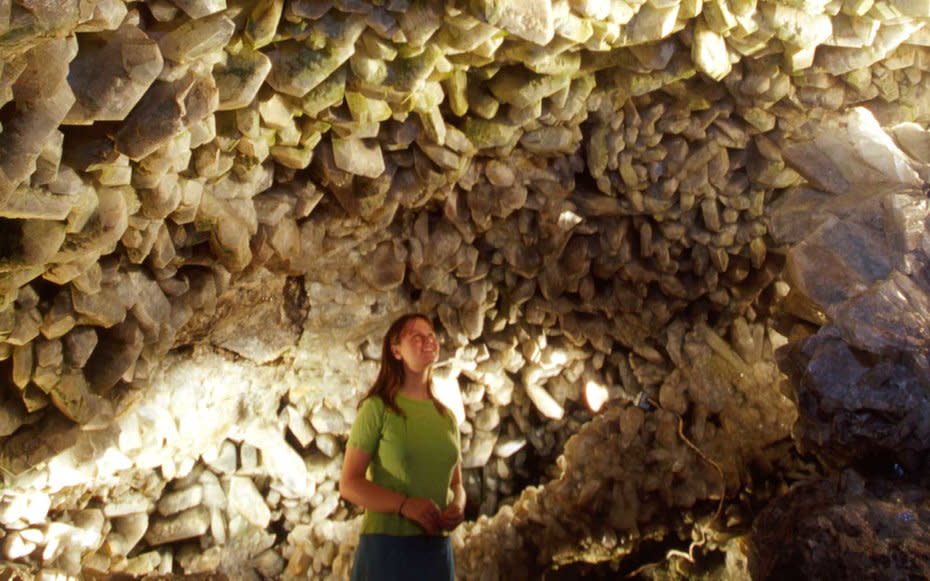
(676, 254)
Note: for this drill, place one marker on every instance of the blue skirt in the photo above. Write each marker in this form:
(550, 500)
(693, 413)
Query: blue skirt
(397, 558)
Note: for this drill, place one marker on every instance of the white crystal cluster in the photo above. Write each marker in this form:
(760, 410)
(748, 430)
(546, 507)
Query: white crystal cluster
(632, 475)
(192, 472)
(576, 190)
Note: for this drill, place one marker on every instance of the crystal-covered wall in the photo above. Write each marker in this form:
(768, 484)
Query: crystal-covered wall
(210, 210)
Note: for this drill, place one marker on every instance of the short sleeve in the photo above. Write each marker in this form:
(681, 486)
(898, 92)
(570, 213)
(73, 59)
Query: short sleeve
(366, 431)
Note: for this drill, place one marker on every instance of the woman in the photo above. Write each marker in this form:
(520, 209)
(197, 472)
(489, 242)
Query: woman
(407, 443)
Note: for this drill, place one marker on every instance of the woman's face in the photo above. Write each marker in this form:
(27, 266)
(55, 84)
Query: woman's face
(416, 346)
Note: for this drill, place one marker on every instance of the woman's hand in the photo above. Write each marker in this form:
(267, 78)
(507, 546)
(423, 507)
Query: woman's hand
(424, 512)
(451, 516)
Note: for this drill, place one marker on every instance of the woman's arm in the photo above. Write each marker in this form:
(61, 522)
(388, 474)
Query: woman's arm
(354, 487)
(458, 489)
(455, 512)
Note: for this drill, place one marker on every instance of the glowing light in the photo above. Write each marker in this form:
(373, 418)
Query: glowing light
(569, 219)
(595, 395)
(556, 358)
(446, 389)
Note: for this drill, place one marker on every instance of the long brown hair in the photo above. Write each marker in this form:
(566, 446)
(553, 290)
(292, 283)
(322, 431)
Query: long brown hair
(391, 375)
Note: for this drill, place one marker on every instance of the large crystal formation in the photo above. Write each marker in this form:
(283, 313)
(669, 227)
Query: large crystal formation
(861, 257)
(858, 262)
(575, 190)
(881, 527)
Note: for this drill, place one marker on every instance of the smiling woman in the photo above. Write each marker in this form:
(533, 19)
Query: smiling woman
(403, 463)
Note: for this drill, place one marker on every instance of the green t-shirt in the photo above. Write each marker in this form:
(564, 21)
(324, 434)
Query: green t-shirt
(413, 456)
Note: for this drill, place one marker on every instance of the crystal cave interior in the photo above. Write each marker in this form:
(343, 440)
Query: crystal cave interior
(676, 253)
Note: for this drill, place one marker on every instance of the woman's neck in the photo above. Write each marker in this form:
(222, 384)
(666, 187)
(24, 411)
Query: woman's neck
(416, 385)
